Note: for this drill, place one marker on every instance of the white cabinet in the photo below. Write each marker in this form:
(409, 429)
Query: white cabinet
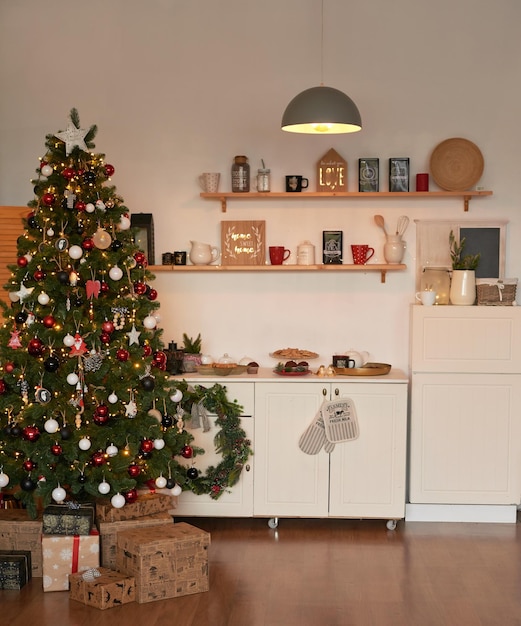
(465, 435)
(360, 478)
(238, 502)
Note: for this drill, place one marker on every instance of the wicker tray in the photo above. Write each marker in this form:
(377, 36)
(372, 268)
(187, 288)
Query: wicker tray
(456, 164)
(496, 293)
(369, 369)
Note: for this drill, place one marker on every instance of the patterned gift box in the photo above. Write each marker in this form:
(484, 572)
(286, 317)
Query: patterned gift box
(168, 562)
(108, 534)
(68, 519)
(19, 532)
(105, 589)
(67, 554)
(15, 568)
(146, 504)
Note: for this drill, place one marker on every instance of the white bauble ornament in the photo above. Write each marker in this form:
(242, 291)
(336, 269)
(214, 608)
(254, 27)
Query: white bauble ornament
(50, 232)
(46, 170)
(177, 396)
(58, 494)
(4, 480)
(84, 444)
(116, 273)
(150, 322)
(89, 207)
(112, 450)
(104, 487)
(100, 205)
(117, 501)
(102, 239)
(160, 482)
(75, 252)
(113, 398)
(159, 444)
(13, 296)
(51, 426)
(124, 223)
(157, 316)
(29, 257)
(176, 491)
(72, 378)
(43, 298)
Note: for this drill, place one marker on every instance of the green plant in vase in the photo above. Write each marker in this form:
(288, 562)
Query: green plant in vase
(459, 260)
(463, 280)
(192, 352)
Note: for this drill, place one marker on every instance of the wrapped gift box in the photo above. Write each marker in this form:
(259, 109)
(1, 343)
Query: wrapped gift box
(108, 534)
(67, 554)
(15, 568)
(68, 519)
(146, 504)
(105, 590)
(19, 532)
(168, 564)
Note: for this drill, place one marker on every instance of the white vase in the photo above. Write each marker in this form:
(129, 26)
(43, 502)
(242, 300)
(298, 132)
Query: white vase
(394, 249)
(463, 287)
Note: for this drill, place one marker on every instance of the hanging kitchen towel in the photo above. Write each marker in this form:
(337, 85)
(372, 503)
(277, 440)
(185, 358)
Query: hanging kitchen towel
(314, 437)
(340, 420)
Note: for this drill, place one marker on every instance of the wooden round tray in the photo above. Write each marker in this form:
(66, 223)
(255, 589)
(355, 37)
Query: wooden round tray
(456, 164)
(369, 369)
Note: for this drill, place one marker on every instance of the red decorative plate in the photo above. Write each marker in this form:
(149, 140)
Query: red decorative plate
(281, 373)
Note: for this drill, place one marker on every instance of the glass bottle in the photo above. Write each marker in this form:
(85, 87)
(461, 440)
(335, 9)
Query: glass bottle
(263, 179)
(240, 175)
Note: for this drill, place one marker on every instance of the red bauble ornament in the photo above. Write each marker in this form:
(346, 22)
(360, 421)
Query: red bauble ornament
(147, 350)
(3, 387)
(9, 367)
(122, 355)
(48, 199)
(21, 261)
(102, 410)
(100, 420)
(216, 489)
(151, 484)
(140, 258)
(187, 452)
(152, 294)
(105, 338)
(29, 465)
(87, 244)
(159, 360)
(109, 169)
(104, 287)
(98, 459)
(35, 347)
(31, 433)
(49, 321)
(68, 173)
(107, 327)
(140, 288)
(39, 275)
(130, 496)
(80, 205)
(147, 445)
(134, 470)
(56, 449)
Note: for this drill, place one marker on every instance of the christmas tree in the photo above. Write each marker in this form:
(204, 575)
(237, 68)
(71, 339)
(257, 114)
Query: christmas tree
(86, 406)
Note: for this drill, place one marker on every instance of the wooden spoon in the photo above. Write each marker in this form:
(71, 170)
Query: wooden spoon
(379, 221)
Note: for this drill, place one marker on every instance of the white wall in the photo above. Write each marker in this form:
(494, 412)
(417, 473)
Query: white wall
(177, 88)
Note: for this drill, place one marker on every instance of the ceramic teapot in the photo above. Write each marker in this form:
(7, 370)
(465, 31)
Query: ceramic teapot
(203, 253)
(360, 358)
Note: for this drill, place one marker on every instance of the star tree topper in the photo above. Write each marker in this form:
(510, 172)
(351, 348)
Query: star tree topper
(73, 137)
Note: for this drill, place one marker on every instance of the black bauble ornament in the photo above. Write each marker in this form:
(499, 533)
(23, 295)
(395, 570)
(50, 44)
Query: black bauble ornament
(16, 430)
(145, 455)
(82, 479)
(192, 473)
(65, 432)
(170, 483)
(63, 277)
(28, 484)
(89, 177)
(116, 245)
(7, 430)
(21, 317)
(51, 364)
(148, 383)
(166, 421)
(31, 222)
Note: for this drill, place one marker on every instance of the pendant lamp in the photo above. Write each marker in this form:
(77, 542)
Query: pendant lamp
(321, 110)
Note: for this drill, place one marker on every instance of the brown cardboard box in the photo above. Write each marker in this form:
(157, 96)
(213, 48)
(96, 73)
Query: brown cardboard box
(108, 533)
(19, 532)
(68, 519)
(166, 564)
(67, 554)
(146, 504)
(106, 591)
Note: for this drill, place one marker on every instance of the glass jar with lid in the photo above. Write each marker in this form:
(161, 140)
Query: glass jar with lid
(436, 279)
(240, 175)
(263, 179)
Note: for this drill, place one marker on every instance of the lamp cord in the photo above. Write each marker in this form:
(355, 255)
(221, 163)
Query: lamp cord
(322, 46)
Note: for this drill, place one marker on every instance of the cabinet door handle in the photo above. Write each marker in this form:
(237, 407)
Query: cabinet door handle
(247, 467)
(337, 391)
(324, 392)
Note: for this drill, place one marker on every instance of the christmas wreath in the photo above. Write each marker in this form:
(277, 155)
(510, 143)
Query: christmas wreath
(230, 441)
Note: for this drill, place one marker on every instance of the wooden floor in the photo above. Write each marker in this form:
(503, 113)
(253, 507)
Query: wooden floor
(322, 573)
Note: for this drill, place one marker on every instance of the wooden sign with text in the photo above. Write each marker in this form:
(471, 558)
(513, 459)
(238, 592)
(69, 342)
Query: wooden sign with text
(243, 242)
(332, 172)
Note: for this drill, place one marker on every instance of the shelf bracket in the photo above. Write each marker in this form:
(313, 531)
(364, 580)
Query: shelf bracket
(466, 200)
(383, 274)
(223, 204)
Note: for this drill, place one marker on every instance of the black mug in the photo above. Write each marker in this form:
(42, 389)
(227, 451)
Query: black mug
(343, 361)
(296, 183)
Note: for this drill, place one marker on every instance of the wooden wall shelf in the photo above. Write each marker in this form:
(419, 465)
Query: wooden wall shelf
(376, 267)
(223, 197)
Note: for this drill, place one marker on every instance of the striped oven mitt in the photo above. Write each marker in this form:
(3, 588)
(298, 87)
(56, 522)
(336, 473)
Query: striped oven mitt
(340, 420)
(313, 439)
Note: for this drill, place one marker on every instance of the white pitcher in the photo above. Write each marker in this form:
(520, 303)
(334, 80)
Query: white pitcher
(203, 253)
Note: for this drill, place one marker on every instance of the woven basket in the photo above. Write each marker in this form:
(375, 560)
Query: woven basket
(496, 292)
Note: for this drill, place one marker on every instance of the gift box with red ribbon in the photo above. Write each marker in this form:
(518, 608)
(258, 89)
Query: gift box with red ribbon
(67, 554)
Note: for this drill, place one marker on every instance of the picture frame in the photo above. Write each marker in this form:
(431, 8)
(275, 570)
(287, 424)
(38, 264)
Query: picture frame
(399, 174)
(369, 175)
(144, 235)
(332, 247)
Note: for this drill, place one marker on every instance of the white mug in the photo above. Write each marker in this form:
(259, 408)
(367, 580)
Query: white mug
(209, 181)
(427, 298)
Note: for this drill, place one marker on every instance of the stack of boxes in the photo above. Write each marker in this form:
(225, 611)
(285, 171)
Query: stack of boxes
(106, 556)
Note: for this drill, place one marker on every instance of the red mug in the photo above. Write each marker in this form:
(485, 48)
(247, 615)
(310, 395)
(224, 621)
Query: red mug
(278, 254)
(361, 253)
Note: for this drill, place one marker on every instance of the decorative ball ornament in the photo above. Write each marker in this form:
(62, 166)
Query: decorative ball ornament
(118, 501)
(159, 444)
(51, 426)
(63, 277)
(35, 347)
(113, 398)
(67, 173)
(109, 169)
(87, 244)
(124, 223)
(166, 421)
(104, 287)
(48, 199)
(56, 449)
(89, 177)
(73, 379)
(112, 450)
(192, 473)
(49, 321)
(116, 273)
(3, 387)
(32, 221)
(122, 355)
(147, 350)
(82, 479)
(4, 480)
(100, 205)
(43, 298)
(177, 396)
(21, 261)
(90, 208)
(116, 245)
(107, 326)
(84, 444)
(150, 322)
(101, 239)
(58, 494)
(31, 433)
(51, 364)
(65, 432)
(46, 170)
(39, 274)
(170, 483)
(80, 205)
(9, 367)
(133, 470)
(152, 295)
(13, 296)
(161, 482)
(98, 459)
(104, 487)
(147, 445)
(140, 288)
(28, 484)
(75, 252)
(177, 490)
(187, 452)
(148, 383)
(130, 496)
(29, 465)
(21, 317)
(105, 338)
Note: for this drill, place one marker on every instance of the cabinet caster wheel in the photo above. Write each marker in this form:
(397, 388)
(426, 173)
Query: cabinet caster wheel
(391, 524)
(273, 522)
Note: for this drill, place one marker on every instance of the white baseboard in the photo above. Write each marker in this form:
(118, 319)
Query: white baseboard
(495, 514)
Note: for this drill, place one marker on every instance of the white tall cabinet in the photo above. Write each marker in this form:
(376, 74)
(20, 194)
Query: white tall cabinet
(465, 424)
